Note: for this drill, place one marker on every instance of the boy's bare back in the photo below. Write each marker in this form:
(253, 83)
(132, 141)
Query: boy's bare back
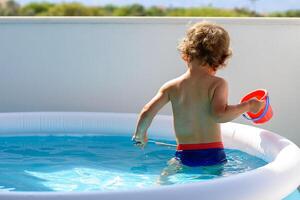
(191, 96)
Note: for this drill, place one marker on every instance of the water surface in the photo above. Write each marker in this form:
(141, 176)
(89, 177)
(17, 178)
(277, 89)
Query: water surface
(102, 163)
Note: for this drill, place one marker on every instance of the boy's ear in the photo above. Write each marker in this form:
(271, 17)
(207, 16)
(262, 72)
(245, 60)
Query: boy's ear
(185, 57)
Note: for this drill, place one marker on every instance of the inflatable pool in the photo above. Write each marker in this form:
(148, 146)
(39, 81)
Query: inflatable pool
(277, 180)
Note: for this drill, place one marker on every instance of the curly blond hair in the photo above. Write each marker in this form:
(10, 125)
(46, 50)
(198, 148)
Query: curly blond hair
(208, 43)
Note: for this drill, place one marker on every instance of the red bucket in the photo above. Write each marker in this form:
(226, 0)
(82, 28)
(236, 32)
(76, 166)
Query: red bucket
(266, 113)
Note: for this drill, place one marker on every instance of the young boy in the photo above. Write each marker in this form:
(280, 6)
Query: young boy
(198, 97)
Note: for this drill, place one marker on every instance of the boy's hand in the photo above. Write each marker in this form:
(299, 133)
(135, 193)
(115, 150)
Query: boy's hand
(140, 140)
(256, 105)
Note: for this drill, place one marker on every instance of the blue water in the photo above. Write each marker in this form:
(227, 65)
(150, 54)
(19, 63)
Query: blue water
(103, 163)
(293, 196)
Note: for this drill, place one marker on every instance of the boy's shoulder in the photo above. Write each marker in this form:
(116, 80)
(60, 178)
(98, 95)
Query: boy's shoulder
(218, 81)
(167, 86)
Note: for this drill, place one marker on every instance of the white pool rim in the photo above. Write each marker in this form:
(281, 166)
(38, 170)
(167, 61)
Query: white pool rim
(273, 181)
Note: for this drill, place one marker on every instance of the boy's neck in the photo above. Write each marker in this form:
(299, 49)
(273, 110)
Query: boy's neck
(195, 69)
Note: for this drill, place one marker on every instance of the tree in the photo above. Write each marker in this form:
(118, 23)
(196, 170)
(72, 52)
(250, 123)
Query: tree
(289, 13)
(156, 11)
(9, 8)
(33, 9)
(132, 10)
(109, 9)
(71, 9)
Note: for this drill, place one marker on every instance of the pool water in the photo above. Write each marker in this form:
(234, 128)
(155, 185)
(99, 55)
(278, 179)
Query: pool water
(100, 163)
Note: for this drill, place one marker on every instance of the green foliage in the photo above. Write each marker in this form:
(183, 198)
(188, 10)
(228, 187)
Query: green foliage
(36, 9)
(109, 9)
(12, 8)
(247, 12)
(156, 11)
(132, 10)
(71, 9)
(209, 12)
(9, 8)
(289, 13)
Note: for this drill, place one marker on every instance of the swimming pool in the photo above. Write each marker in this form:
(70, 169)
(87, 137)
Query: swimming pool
(100, 163)
(273, 181)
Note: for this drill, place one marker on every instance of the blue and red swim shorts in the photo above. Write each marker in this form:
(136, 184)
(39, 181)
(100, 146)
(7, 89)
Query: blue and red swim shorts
(204, 154)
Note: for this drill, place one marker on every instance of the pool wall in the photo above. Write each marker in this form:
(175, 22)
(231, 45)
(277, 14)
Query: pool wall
(117, 64)
(273, 181)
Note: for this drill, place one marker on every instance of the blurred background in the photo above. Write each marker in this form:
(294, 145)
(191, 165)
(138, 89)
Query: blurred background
(209, 8)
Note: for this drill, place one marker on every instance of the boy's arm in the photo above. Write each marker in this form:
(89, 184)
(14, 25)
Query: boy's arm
(147, 114)
(222, 112)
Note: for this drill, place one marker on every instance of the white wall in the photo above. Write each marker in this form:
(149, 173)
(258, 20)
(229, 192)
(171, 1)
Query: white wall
(117, 64)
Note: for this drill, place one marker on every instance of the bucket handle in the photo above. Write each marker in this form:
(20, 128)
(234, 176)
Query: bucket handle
(263, 114)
